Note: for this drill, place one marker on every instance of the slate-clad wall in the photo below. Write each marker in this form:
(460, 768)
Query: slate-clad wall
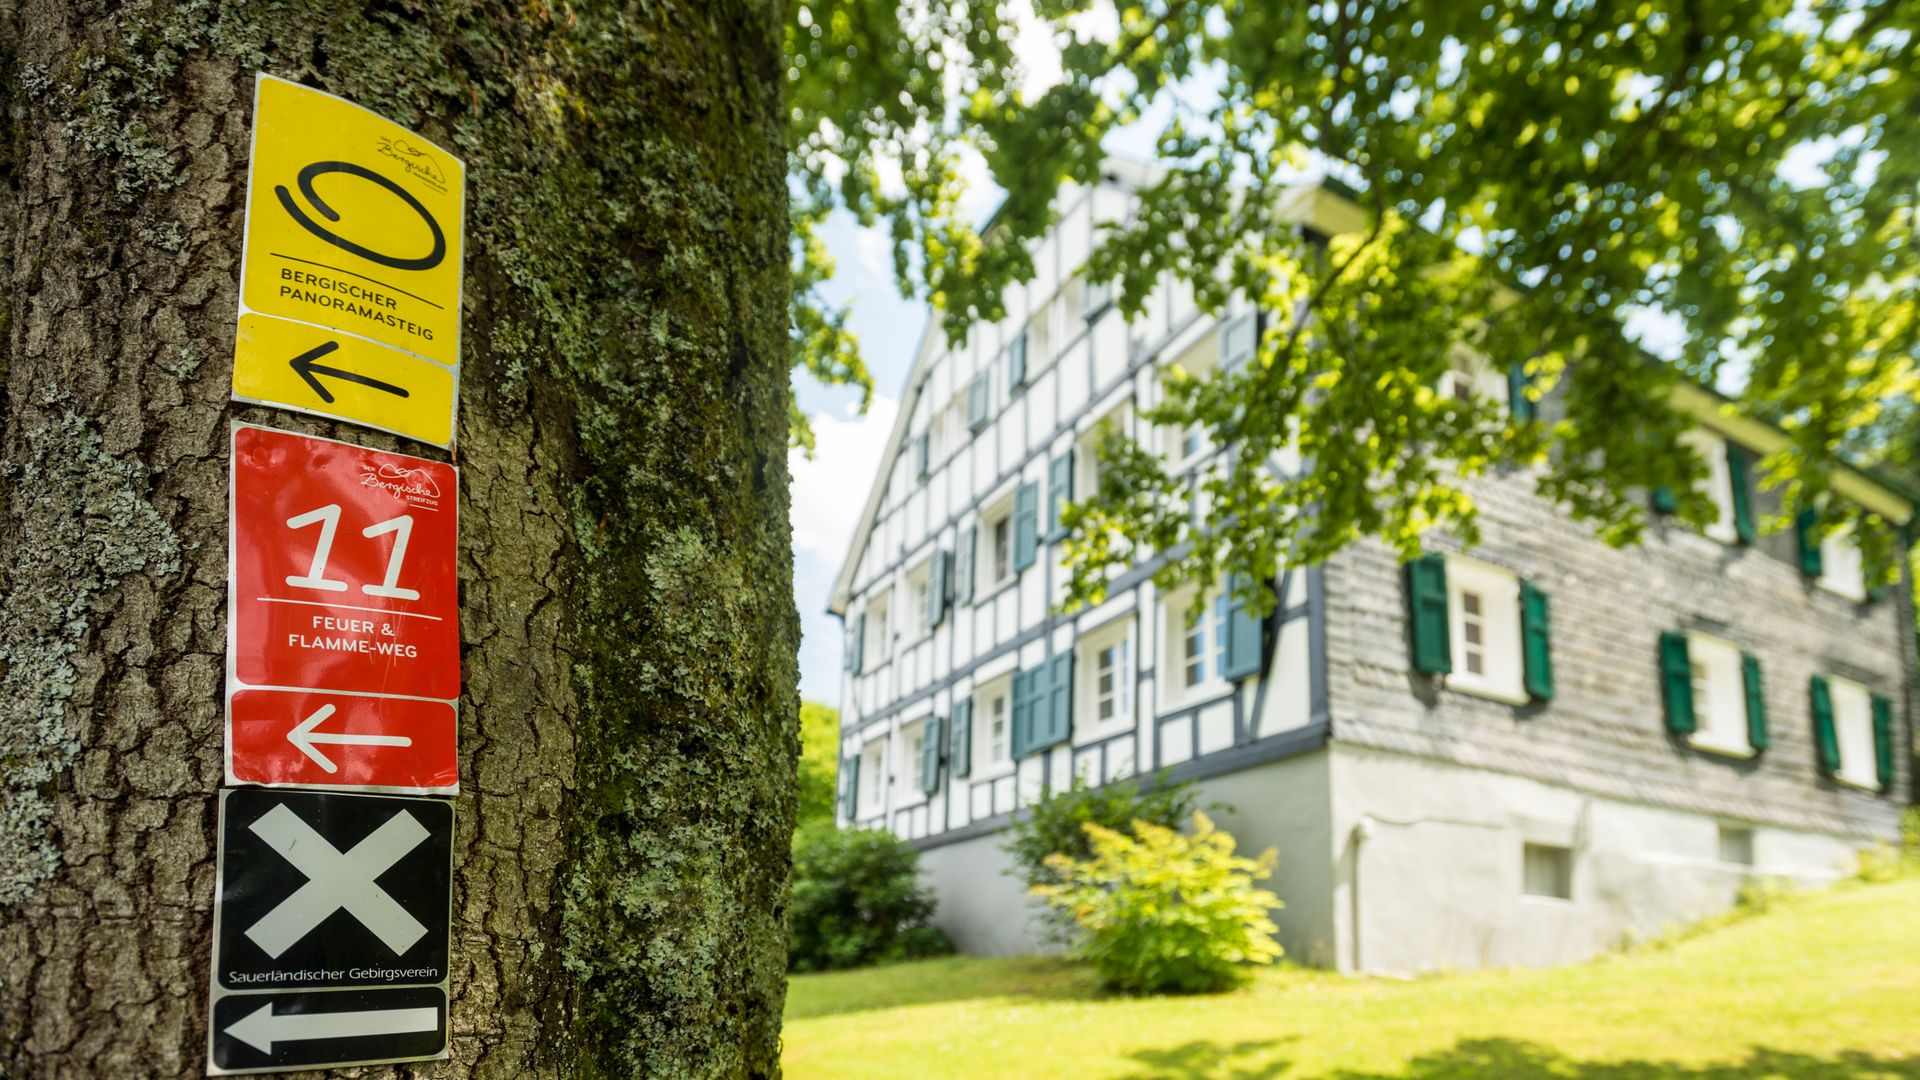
(1605, 732)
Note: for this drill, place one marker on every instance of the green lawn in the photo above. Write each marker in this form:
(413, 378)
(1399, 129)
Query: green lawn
(1827, 985)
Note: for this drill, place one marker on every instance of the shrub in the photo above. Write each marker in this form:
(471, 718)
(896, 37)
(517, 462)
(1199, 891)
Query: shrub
(819, 762)
(857, 900)
(1056, 825)
(1161, 911)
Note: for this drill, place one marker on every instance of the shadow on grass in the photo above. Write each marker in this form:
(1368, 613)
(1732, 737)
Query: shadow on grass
(1212, 1061)
(1510, 1059)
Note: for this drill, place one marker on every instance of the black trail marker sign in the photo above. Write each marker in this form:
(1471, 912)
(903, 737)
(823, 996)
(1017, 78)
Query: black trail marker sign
(331, 930)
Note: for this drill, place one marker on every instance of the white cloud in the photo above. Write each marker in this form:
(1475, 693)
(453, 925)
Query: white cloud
(830, 489)
(874, 247)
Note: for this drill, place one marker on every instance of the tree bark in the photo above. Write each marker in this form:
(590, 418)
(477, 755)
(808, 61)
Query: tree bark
(628, 730)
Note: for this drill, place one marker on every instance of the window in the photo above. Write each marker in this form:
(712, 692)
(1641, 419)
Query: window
(996, 556)
(1039, 348)
(1843, 566)
(1854, 734)
(912, 759)
(1484, 604)
(918, 605)
(1473, 647)
(1106, 665)
(1095, 297)
(1472, 378)
(873, 777)
(1714, 695)
(1719, 699)
(1547, 871)
(1195, 648)
(1736, 845)
(879, 631)
(999, 748)
(1086, 451)
(1712, 451)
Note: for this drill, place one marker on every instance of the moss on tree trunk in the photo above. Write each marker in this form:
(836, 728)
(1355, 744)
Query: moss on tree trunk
(628, 729)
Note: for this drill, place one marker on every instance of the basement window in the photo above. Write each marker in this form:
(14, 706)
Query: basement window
(1547, 871)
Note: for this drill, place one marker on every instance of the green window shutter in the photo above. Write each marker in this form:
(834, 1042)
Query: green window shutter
(1740, 480)
(963, 571)
(1883, 739)
(1676, 679)
(930, 756)
(1059, 493)
(850, 788)
(1522, 407)
(1536, 637)
(1053, 713)
(1241, 657)
(1026, 526)
(1427, 614)
(857, 648)
(1826, 742)
(977, 402)
(1664, 501)
(1756, 701)
(1022, 711)
(920, 455)
(1811, 563)
(1017, 361)
(960, 753)
(937, 590)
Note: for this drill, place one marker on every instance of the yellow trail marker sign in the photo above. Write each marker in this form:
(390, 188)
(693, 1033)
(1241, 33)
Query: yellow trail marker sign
(350, 274)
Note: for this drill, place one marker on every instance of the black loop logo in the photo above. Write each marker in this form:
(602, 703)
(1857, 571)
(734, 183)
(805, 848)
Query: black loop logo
(307, 175)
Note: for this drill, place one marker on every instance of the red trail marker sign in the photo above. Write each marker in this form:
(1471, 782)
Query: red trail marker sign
(343, 643)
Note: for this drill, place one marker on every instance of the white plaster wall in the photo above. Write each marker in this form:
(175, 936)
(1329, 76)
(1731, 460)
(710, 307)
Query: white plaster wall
(1432, 881)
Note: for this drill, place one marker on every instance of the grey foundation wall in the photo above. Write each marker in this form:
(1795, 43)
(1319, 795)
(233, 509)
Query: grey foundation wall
(1429, 870)
(1281, 805)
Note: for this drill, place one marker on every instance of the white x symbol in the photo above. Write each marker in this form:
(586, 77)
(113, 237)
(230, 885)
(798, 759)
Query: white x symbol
(336, 881)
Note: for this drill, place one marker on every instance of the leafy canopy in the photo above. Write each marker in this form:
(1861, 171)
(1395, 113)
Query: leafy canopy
(1532, 175)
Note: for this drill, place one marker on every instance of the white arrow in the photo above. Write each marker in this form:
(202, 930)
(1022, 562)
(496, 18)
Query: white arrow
(304, 737)
(260, 1029)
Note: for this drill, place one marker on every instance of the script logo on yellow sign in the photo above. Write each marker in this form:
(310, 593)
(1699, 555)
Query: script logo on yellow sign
(354, 229)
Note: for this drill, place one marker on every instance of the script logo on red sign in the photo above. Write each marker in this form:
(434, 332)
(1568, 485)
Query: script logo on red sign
(343, 616)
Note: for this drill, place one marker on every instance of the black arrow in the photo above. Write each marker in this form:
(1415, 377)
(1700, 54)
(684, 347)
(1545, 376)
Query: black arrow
(304, 366)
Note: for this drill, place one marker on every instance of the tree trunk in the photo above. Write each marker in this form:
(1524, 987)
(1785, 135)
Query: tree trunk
(628, 731)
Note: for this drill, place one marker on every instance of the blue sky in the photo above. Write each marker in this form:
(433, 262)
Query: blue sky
(830, 489)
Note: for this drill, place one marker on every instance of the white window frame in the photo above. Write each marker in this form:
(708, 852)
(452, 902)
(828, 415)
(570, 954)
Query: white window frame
(1175, 690)
(871, 796)
(1720, 721)
(1853, 733)
(1503, 674)
(1712, 450)
(1086, 449)
(986, 764)
(1843, 566)
(1039, 341)
(1472, 377)
(915, 629)
(986, 583)
(913, 735)
(878, 648)
(1087, 725)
